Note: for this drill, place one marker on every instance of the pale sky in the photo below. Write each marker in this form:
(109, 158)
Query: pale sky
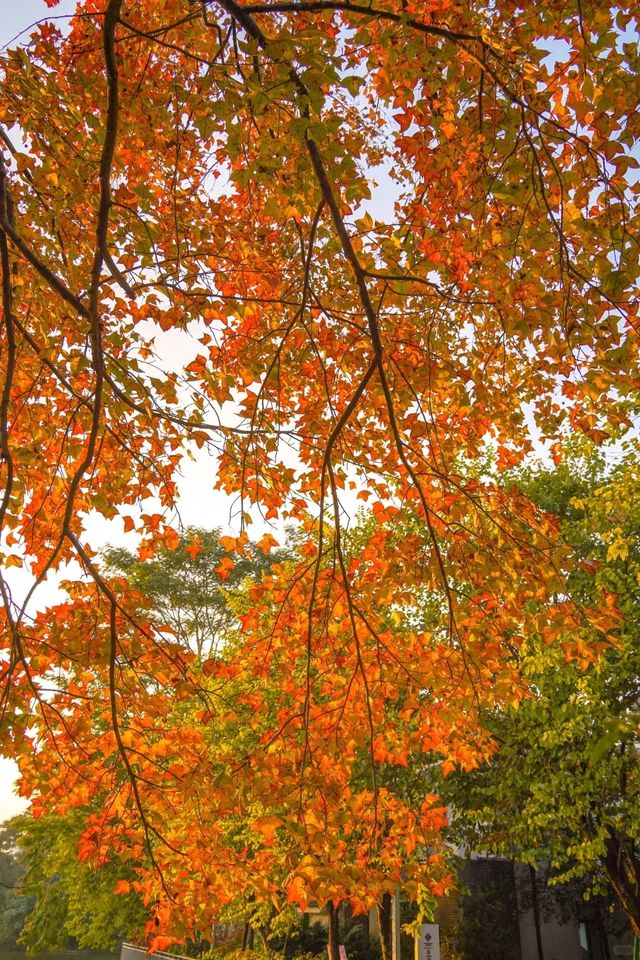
(16, 15)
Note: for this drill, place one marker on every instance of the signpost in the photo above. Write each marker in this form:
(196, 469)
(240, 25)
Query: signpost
(342, 951)
(428, 942)
(395, 926)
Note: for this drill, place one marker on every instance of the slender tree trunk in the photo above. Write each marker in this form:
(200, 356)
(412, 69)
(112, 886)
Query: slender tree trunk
(624, 877)
(247, 937)
(384, 923)
(334, 932)
(536, 910)
(602, 933)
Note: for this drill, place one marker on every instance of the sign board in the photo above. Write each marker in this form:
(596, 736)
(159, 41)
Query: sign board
(428, 942)
(623, 950)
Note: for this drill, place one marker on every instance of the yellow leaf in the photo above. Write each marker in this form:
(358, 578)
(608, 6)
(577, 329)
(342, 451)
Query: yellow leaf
(618, 550)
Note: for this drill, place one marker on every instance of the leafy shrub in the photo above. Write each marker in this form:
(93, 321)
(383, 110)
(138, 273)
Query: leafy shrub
(360, 946)
(302, 940)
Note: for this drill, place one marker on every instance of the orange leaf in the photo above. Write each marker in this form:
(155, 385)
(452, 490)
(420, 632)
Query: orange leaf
(267, 826)
(193, 549)
(160, 943)
(267, 543)
(224, 568)
(170, 538)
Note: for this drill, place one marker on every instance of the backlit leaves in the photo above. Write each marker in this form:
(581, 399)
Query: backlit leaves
(198, 177)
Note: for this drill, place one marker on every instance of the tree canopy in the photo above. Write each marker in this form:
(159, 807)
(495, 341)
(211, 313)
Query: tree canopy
(199, 177)
(15, 905)
(563, 787)
(66, 896)
(190, 586)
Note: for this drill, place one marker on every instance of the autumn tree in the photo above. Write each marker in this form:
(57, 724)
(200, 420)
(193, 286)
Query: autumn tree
(201, 173)
(219, 770)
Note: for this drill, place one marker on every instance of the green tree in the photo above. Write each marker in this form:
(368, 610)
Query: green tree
(563, 786)
(14, 904)
(72, 898)
(188, 584)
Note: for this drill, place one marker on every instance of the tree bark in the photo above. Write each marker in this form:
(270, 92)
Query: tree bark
(624, 876)
(535, 906)
(334, 932)
(247, 937)
(384, 923)
(602, 932)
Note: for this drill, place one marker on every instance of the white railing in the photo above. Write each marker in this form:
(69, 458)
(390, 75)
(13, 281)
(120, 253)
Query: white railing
(130, 951)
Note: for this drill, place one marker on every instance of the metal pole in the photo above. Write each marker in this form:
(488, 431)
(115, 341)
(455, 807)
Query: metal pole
(395, 926)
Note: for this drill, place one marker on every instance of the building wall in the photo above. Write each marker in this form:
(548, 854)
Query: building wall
(495, 920)
(560, 941)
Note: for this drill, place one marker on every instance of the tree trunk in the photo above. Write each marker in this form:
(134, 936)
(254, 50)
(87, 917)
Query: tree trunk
(535, 906)
(384, 922)
(247, 937)
(602, 932)
(334, 932)
(624, 877)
